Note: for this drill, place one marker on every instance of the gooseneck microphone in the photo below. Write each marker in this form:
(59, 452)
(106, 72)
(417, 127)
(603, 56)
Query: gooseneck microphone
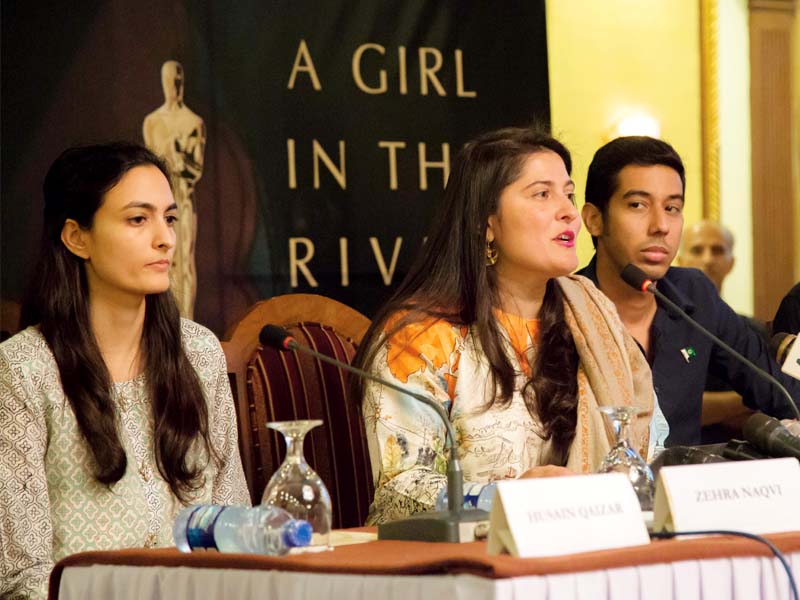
(277, 337)
(638, 279)
(780, 344)
(770, 437)
(432, 526)
(787, 353)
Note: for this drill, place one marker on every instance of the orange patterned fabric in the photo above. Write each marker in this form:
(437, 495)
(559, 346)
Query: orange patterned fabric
(522, 335)
(427, 345)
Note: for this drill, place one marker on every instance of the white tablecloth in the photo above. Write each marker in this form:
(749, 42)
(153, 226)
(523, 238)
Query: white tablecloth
(741, 578)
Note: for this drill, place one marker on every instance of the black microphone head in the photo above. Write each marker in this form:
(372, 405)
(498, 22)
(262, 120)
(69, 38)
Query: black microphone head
(780, 344)
(635, 277)
(275, 337)
(757, 428)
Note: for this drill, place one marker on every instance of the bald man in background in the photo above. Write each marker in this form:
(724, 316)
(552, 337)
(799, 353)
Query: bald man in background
(708, 246)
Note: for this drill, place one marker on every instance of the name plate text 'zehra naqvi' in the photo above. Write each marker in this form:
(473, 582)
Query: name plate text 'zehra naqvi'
(565, 515)
(756, 496)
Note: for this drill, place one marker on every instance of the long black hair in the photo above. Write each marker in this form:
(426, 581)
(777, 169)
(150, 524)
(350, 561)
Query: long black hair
(58, 301)
(450, 280)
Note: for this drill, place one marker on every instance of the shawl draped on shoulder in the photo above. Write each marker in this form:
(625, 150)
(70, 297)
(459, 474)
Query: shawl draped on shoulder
(612, 372)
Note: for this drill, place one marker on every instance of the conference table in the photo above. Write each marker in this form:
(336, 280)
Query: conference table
(686, 569)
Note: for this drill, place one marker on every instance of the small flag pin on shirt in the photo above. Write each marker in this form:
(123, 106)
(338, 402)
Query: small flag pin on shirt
(688, 353)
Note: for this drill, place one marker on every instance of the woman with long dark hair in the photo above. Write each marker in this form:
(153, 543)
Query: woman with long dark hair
(490, 324)
(114, 411)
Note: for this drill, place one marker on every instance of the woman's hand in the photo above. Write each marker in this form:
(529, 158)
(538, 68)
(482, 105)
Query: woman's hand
(546, 471)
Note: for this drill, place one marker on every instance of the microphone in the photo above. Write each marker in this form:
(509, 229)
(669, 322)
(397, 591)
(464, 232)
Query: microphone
(277, 337)
(769, 436)
(638, 279)
(741, 450)
(787, 353)
(686, 455)
(780, 344)
(433, 526)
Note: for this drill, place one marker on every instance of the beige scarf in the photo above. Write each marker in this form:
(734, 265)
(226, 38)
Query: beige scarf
(612, 371)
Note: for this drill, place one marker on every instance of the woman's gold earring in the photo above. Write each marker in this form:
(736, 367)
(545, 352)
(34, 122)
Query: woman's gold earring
(491, 254)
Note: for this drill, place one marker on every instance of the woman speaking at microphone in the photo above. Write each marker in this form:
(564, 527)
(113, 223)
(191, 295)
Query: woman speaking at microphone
(490, 324)
(114, 411)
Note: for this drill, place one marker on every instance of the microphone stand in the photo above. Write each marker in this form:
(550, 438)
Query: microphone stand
(452, 525)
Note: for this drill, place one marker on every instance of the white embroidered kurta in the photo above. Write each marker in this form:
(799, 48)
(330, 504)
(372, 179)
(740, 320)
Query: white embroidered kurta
(51, 505)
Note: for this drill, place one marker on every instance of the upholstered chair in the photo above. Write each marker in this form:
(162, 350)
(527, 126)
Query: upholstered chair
(270, 385)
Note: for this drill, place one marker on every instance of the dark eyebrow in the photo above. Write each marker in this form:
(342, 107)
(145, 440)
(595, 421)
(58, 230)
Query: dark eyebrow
(546, 182)
(630, 193)
(147, 206)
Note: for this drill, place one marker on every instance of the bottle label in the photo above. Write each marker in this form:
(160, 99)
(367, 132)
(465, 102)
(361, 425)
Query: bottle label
(471, 493)
(200, 526)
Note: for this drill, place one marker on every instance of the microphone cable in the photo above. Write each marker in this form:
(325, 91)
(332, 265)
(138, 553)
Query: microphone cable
(666, 535)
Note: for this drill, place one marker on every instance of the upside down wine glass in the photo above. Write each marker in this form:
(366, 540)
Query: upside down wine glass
(623, 458)
(296, 487)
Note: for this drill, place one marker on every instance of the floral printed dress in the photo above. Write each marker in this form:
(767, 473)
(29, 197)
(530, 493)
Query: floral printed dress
(406, 438)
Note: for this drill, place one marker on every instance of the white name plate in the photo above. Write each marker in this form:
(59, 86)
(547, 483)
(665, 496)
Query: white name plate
(564, 515)
(791, 366)
(756, 496)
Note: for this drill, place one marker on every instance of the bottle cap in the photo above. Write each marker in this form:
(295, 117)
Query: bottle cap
(297, 533)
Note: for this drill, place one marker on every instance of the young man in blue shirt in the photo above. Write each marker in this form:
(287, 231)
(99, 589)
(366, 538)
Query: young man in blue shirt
(634, 212)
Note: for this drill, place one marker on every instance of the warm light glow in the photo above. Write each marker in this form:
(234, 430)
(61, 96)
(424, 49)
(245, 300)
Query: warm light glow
(638, 124)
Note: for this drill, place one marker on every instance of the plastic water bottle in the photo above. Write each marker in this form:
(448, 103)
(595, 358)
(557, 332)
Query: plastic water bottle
(257, 530)
(476, 495)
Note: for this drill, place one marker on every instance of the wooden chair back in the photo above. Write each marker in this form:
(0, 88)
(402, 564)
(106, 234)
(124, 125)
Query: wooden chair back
(270, 385)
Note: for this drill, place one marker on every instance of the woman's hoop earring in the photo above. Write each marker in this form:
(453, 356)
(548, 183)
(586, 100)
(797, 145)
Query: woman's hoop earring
(491, 254)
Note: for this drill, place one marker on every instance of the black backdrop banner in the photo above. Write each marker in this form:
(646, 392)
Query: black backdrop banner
(328, 128)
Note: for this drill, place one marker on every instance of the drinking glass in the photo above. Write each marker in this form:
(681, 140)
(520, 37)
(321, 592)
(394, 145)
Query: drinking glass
(296, 487)
(623, 458)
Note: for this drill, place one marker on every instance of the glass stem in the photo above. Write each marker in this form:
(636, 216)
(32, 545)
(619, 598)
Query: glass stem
(294, 447)
(623, 430)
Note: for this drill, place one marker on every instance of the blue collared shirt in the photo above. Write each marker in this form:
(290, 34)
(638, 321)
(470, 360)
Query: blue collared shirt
(681, 357)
